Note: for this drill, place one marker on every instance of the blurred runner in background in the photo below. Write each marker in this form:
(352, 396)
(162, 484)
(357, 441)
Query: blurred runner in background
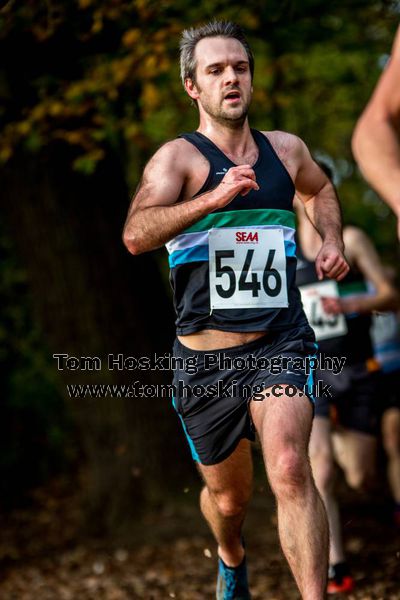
(345, 427)
(386, 341)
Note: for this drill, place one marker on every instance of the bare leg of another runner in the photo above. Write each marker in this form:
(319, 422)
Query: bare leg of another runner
(283, 425)
(224, 499)
(355, 452)
(324, 471)
(391, 443)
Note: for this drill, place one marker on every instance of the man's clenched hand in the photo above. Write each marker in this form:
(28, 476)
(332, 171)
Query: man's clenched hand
(330, 262)
(238, 180)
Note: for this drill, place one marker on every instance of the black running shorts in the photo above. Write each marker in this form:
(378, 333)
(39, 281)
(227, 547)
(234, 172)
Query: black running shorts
(389, 396)
(354, 403)
(212, 402)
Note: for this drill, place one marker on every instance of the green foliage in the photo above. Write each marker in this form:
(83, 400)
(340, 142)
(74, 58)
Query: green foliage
(100, 74)
(35, 431)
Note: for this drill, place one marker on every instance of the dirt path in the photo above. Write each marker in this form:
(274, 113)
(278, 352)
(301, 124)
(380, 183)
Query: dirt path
(173, 555)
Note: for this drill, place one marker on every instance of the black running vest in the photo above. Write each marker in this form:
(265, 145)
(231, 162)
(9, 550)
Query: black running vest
(356, 345)
(270, 208)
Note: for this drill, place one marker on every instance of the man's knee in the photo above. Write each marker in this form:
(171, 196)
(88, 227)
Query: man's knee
(230, 503)
(290, 472)
(324, 471)
(391, 443)
(360, 479)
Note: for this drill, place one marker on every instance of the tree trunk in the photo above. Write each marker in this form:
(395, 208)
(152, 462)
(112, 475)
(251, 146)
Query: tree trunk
(92, 298)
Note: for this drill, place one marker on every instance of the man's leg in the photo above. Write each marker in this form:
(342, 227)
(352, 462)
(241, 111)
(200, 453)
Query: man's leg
(223, 500)
(355, 452)
(391, 443)
(324, 471)
(283, 425)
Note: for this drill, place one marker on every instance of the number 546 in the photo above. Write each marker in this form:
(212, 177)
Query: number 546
(253, 283)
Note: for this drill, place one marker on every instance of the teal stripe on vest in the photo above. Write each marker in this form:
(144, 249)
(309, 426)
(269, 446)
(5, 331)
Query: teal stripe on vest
(194, 254)
(200, 238)
(240, 218)
(200, 254)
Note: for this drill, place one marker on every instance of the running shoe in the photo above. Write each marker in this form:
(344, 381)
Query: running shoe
(340, 580)
(232, 582)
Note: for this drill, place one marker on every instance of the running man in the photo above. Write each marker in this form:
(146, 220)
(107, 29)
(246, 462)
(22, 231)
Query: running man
(376, 138)
(221, 199)
(345, 427)
(385, 334)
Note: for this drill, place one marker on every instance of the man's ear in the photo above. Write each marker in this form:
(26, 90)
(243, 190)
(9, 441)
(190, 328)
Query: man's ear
(191, 88)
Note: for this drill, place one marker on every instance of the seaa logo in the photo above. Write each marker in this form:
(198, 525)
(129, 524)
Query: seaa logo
(243, 237)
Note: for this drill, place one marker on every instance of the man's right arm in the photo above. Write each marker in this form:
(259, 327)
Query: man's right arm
(155, 215)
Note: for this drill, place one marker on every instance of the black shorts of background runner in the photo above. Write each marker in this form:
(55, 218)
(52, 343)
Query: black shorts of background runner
(213, 424)
(355, 398)
(389, 393)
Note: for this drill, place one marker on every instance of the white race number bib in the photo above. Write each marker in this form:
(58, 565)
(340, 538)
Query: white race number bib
(247, 268)
(325, 326)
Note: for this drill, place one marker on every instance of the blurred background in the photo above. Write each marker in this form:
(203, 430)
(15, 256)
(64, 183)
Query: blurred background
(88, 90)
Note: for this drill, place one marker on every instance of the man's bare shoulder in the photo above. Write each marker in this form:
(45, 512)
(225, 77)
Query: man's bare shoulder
(289, 148)
(176, 163)
(286, 145)
(177, 153)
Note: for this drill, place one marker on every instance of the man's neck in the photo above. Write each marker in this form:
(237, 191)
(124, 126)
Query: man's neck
(233, 141)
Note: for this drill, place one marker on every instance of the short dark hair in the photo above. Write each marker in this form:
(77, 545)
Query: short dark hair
(191, 37)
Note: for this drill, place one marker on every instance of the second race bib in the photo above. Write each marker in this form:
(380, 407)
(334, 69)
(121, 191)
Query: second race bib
(247, 268)
(325, 326)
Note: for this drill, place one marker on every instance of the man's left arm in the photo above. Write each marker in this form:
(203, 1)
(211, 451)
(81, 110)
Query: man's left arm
(376, 138)
(317, 193)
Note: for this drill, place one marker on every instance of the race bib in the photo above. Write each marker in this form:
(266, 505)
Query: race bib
(325, 326)
(247, 268)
